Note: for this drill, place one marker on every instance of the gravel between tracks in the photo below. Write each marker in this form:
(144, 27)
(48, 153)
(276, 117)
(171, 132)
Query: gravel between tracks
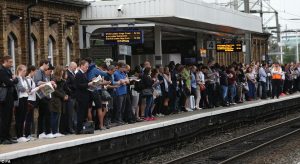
(281, 152)
(200, 143)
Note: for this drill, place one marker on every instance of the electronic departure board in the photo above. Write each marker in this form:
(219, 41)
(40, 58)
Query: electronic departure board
(124, 37)
(229, 47)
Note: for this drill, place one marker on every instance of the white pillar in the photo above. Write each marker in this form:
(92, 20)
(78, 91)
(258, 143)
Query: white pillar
(281, 50)
(281, 55)
(297, 48)
(158, 46)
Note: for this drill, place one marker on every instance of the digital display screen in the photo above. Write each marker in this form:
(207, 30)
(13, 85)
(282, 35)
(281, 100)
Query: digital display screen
(124, 37)
(229, 47)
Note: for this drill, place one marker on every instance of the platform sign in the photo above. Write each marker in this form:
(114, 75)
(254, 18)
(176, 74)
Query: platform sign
(229, 47)
(211, 45)
(124, 37)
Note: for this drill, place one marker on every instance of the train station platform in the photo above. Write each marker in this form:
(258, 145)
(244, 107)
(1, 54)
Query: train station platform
(118, 142)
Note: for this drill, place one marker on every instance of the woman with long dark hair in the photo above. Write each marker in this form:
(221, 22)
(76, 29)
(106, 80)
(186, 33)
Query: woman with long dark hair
(57, 101)
(251, 80)
(32, 104)
(147, 93)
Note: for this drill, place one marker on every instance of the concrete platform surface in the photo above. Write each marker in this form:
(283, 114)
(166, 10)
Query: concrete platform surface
(8, 152)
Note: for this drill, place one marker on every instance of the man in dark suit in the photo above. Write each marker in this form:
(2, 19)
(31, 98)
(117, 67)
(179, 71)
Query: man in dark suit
(82, 94)
(7, 82)
(71, 88)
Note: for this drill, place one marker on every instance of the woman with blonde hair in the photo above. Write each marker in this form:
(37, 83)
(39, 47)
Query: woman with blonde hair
(21, 109)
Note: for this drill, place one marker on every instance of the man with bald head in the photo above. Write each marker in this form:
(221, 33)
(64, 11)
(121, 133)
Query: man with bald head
(71, 114)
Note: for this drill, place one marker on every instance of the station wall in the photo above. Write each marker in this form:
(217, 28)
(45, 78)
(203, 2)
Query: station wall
(54, 29)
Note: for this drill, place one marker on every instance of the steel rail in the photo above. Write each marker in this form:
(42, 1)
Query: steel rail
(241, 139)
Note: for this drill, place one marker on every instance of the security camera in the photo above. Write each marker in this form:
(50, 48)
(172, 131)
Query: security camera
(120, 8)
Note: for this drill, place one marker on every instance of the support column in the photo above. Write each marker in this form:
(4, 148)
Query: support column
(3, 38)
(61, 43)
(235, 4)
(158, 46)
(199, 44)
(76, 40)
(24, 58)
(44, 36)
(247, 36)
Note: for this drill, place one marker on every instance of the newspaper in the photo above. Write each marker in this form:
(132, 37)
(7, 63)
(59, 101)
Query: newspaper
(45, 91)
(133, 78)
(96, 84)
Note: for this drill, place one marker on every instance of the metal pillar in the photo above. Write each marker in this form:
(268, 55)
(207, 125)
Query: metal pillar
(158, 45)
(278, 27)
(199, 44)
(297, 48)
(247, 36)
(235, 4)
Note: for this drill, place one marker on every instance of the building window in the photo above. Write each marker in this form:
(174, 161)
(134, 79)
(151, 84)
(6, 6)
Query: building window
(11, 40)
(50, 50)
(69, 50)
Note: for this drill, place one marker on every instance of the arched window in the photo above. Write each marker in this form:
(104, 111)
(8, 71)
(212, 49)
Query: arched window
(11, 44)
(51, 44)
(69, 51)
(33, 50)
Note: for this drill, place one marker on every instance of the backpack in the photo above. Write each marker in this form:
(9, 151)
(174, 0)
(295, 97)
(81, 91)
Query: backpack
(139, 86)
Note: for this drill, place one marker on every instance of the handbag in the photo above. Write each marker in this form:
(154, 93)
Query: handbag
(88, 127)
(202, 87)
(147, 92)
(105, 96)
(245, 87)
(191, 104)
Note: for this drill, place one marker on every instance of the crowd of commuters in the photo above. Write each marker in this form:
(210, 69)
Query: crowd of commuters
(114, 95)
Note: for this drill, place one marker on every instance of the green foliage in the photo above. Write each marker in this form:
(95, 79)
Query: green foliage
(98, 62)
(289, 54)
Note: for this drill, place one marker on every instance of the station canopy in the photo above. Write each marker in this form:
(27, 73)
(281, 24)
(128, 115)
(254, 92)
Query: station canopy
(192, 15)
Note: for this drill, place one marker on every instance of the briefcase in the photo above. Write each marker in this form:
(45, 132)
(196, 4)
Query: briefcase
(88, 127)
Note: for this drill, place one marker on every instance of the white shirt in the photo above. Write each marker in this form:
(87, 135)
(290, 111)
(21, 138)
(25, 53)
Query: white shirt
(166, 84)
(24, 84)
(32, 94)
(201, 77)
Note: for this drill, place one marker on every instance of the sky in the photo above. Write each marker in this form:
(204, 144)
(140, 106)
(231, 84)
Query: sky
(287, 9)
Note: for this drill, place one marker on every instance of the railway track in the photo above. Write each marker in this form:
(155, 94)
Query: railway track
(240, 147)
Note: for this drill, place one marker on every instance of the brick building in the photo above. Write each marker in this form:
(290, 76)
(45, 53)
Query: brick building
(54, 30)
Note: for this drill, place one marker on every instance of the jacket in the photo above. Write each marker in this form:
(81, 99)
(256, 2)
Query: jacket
(6, 77)
(56, 103)
(147, 82)
(93, 72)
(7, 82)
(70, 83)
(81, 82)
